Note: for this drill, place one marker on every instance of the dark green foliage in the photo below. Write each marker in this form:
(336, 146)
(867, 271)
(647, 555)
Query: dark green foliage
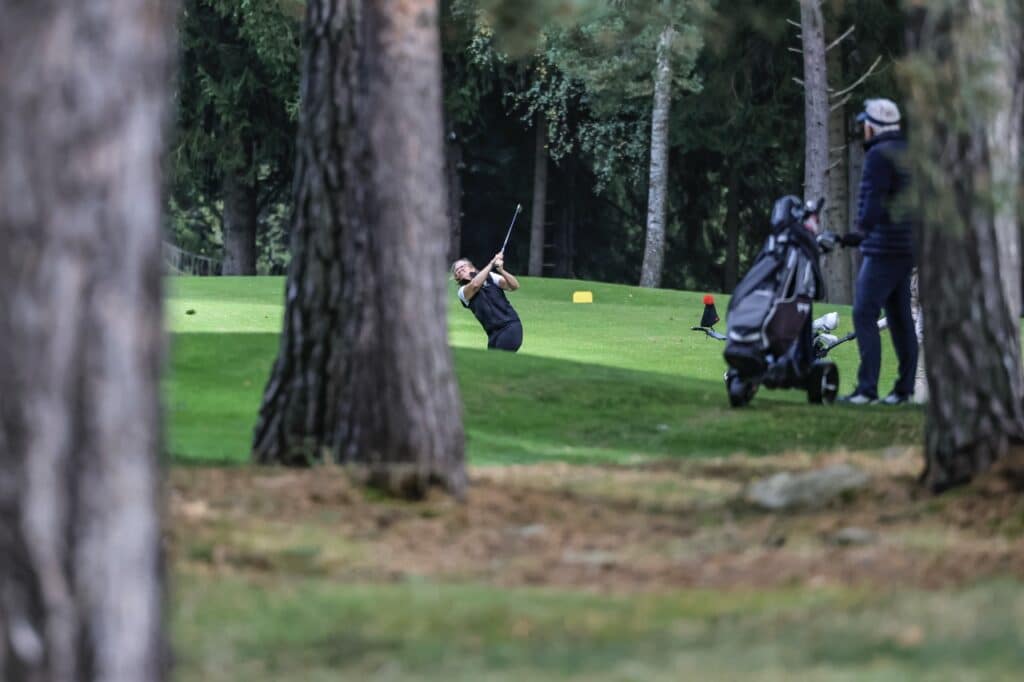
(748, 118)
(237, 100)
(586, 66)
(736, 109)
(590, 76)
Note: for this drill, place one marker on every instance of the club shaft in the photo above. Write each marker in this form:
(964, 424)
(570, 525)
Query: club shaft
(519, 207)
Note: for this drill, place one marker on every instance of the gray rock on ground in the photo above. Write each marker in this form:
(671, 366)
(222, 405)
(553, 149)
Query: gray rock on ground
(852, 536)
(805, 490)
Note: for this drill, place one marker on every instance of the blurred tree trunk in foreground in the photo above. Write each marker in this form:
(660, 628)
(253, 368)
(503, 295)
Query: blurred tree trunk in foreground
(85, 90)
(364, 374)
(965, 81)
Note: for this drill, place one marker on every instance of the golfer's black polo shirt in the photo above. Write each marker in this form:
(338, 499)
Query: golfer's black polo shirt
(490, 305)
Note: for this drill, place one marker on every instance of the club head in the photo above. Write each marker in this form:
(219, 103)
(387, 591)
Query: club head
(824, 339)
(711, 333)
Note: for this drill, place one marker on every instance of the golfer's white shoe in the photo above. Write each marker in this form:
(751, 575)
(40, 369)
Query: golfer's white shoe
(895, 398)
(858, 399)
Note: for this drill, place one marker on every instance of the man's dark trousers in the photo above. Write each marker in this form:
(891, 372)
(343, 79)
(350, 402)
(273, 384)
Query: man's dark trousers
(884, 282)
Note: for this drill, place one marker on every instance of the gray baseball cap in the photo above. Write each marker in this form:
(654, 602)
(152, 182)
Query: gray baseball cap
(880, 112)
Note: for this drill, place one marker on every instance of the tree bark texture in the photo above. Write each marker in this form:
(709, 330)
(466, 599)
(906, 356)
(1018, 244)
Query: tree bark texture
(364, 374)
(654, 245)
(85, 90)
(540, 196)
(1003, 136)
(837, 266)
(969, 243)
(816, 113)
(241, 216)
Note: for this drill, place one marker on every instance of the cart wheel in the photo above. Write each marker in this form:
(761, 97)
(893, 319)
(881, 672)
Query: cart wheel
(823, 383)
(740, 392)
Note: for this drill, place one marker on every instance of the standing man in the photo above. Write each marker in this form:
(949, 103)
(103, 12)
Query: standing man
(884, 233)
(483, 292)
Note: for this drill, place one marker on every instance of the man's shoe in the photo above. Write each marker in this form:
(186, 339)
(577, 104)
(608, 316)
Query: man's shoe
(858, 399)
(895, 398)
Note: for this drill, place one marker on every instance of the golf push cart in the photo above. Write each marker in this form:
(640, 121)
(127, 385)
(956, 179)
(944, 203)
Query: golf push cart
(772, 340)
(822, 328)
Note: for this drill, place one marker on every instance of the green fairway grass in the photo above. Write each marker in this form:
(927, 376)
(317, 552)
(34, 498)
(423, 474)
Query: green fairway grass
(619, 380)
(232, 629)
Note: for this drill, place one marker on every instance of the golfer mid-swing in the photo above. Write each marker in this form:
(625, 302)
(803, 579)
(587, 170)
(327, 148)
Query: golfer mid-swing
(483, 292)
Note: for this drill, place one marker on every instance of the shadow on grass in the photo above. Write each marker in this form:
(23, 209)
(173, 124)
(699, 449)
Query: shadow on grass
(522, 408)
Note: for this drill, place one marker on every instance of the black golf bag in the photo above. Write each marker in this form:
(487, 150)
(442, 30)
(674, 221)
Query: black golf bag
(769, 340)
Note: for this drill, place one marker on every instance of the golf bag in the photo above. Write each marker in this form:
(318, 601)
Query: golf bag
(770, 338)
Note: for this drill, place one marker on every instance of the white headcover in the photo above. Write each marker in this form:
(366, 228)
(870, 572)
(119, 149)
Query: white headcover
(826, 323)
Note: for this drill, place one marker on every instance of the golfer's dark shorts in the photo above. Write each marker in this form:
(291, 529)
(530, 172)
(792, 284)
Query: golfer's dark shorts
(509, 337)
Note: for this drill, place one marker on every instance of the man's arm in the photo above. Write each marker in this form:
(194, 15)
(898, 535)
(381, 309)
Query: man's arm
(874, 189)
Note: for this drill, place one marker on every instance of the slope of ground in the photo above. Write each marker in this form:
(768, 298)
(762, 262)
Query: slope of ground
(612, 542)
(623, 379)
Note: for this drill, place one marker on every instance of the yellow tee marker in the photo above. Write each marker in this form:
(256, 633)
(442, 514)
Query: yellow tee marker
(582, 297)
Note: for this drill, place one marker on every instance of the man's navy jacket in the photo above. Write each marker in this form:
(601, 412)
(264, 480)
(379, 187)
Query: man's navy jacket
(886, 225)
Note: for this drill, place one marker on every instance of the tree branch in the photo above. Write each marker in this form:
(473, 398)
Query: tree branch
(840, 103)
(867, 74)
(841, 38)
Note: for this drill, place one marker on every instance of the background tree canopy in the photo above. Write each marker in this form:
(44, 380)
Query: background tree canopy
(586, 68)
(237, 97)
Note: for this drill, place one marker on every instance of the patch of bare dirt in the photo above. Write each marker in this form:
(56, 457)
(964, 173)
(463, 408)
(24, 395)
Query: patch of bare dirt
(605, 528)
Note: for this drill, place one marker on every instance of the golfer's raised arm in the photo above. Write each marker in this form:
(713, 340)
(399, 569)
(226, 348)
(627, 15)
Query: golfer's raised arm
(508, 279)
(469, 291)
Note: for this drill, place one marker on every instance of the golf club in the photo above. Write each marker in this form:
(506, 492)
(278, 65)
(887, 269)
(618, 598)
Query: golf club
(519, 207)
(825, 342)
